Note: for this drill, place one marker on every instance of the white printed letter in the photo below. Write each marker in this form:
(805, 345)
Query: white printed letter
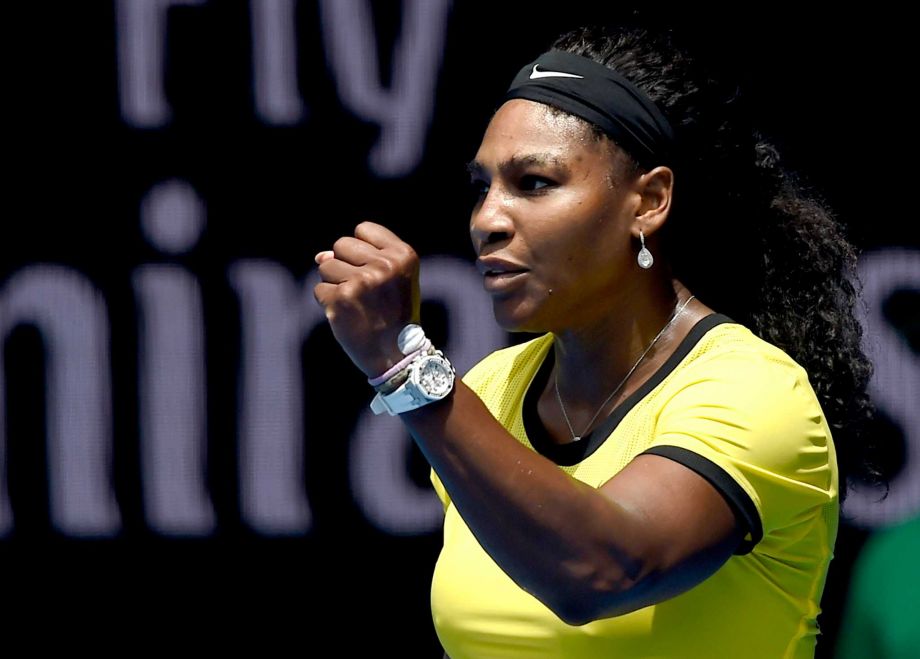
(71, 317)
(274, 61)
(141, 37)
(278, 314)
(403, 111)
(173, 427)
(895, 384)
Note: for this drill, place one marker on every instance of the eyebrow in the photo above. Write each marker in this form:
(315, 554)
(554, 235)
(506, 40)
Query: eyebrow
(519, 162)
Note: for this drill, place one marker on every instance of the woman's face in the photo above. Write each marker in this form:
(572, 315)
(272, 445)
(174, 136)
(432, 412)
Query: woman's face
(551, 222)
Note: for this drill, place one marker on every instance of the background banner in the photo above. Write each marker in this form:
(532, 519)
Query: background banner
(187, 456)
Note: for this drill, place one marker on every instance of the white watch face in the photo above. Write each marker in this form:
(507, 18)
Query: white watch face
(435, 377)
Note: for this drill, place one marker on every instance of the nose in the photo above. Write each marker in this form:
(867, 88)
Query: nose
(490, 221)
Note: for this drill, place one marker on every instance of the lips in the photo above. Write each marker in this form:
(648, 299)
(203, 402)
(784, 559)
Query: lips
(500, 275)
(491, 265)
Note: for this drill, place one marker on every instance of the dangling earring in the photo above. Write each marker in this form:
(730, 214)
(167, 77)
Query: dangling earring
(644, 259)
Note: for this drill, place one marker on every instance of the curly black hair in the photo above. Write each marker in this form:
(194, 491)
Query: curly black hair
(746, 234)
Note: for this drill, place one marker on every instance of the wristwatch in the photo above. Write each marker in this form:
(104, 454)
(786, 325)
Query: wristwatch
(430, 377)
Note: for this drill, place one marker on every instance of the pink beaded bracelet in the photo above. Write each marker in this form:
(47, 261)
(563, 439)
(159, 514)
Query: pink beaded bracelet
(396, 368)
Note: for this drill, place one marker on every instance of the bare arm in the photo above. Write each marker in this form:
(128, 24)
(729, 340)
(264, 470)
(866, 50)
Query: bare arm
(654, 530)
(651, 532)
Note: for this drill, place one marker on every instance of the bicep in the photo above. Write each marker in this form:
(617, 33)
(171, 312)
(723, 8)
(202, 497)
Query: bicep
(688, 528)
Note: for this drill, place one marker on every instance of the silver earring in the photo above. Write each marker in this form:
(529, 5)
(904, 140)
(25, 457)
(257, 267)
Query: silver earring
(644, 259)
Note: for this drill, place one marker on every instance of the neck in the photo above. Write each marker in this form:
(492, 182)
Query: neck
(593, 358)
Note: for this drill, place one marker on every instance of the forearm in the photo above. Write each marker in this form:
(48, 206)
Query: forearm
(558, 538)
(653, 530)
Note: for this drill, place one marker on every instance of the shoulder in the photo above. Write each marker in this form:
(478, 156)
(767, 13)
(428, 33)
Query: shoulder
(733, 337)
(731, 352)
(746, 406)
(744, 380)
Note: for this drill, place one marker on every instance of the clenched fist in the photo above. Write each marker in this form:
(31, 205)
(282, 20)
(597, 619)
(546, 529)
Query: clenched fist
(370, 291)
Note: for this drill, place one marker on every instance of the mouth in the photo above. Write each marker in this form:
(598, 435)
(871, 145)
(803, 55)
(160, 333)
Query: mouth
(499, 274)
(502, 281)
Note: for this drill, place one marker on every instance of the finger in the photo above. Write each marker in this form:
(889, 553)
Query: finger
(334, 271)
(324, 293)
(325, 255)
(355, 251)
(377, 235)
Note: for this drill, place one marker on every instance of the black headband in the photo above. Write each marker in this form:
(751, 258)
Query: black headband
(600, 95)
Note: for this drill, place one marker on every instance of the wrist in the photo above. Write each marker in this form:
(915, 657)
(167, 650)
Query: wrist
(410, 341)
(424, 376)
(400, 366)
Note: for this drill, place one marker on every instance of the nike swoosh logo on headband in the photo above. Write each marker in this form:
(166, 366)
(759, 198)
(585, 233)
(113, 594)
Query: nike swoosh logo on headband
(550, 74)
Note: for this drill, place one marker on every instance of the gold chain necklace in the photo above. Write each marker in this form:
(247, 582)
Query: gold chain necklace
(575, 437)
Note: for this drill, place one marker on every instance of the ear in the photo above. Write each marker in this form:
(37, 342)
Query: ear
(655, 189)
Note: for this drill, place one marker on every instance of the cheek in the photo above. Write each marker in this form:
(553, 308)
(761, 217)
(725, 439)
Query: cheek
(590, 272)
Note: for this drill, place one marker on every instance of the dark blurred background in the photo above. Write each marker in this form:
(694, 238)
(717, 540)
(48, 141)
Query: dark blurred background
(188, 458)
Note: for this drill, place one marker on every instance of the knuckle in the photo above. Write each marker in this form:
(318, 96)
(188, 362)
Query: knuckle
(409, 254)
(349, 291)
(386, 265)
(374, 278)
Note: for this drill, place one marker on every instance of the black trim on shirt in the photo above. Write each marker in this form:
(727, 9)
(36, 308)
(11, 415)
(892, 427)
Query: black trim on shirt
(739, 501)
(574, 452)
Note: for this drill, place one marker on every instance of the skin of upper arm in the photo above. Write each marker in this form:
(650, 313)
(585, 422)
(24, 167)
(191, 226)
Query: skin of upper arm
(689, 530)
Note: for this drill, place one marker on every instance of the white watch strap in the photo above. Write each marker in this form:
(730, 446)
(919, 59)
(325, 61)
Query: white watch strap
(409, 395)
(397, 402)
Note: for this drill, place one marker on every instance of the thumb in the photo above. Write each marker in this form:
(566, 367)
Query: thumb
(324, 256)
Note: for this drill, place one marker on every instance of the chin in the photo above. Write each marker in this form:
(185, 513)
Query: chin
(516, 320)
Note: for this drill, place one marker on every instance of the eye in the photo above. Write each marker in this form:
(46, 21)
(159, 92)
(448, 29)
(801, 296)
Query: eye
(533, 183)
(478, 189)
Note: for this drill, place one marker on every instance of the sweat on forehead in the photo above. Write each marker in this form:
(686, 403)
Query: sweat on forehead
(548, 121)
(559, 142)
(624, 165)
